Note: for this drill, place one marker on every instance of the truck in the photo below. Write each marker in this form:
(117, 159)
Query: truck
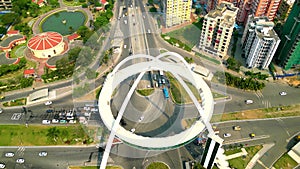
(166, 93)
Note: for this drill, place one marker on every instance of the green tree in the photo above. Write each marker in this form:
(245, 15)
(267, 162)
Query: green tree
(26, 82)
(53, 134)
(10, 18)
(152, 9)
(2, 30)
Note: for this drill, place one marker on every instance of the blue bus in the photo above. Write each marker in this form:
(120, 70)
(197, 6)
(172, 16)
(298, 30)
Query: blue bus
(166, 93)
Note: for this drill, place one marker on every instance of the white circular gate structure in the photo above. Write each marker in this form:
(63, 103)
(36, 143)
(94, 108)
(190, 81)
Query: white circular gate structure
(179, 68)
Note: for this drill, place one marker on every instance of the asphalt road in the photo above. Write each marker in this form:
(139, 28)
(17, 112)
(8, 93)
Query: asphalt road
(57, 158)
(278, 131)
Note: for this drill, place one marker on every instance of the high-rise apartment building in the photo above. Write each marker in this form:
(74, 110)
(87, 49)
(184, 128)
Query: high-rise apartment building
(260, 42)
(177, 11)
(285, 8)
(5, 4)
(217, 29)
(247, 7)
(265, 8)
(288, 53)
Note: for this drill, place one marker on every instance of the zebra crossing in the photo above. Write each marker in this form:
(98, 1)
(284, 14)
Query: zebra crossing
(260, 96)
(20, 150)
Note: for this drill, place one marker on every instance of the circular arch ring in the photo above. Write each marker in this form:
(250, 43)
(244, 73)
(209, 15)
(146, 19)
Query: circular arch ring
(156, 143)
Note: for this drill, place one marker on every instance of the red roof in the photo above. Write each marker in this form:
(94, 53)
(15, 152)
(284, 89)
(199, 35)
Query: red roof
(12, 32)
(38, 1)
(44, 41)
(103, 2)
(29, 71)
(73, 36)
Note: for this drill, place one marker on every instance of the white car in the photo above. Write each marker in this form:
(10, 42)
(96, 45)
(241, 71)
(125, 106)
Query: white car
(55, 121)
(1, 110)
(282, 93)
(125, 46)
(227, 135)
(132, 130)
(10, 154)
(2, 165)
(48, 103)
(43, 154)
(20, 160)
(46, 122)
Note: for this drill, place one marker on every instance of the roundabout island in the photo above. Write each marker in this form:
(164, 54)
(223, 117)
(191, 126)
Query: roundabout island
(181, 70)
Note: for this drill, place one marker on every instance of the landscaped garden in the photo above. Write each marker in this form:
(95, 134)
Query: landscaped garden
(15, 135)
(157, 165)
(145, 92)
(241, 162)
(285, 162)
(273, 112)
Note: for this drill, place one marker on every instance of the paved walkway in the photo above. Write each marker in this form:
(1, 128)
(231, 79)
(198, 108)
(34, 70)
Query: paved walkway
(243, 153)
(258, 155)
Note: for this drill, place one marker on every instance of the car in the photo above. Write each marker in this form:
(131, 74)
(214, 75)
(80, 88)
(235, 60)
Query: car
(125, 46)
(149, 31)
(252, 135)
(46, 122)
(282, 93)
(2, 97)
(163, 81)
(49, 111)
(62, 121)
(48, 103)
(43, 154)
(1, 110)
(132, 130)
(237, 128)
(20, 160)
(9, 154)
(56, 116)
(248, 101)
(227, 135)
(55, 121)
(2, 165)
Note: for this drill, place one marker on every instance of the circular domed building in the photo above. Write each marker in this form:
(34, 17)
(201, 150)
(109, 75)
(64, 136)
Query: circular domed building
(46, 44)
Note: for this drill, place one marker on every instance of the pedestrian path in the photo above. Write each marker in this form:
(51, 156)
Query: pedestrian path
(243, 153)
(258, 155)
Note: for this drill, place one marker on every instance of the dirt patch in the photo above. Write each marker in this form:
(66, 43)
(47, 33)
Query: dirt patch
(274, 112)
(293, 81)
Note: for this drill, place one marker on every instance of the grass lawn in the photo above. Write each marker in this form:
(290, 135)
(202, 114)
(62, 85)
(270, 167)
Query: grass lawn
(73, 3)
(285, 162)
(273, 112)
(17, 102)
(189, 35)
(218, 95)
(178, 94)
(18, 51)
(35, 135)
(157, 165)
(208, 58)
(241, 162)
(94, 167)
(145, 92)
(232, 151)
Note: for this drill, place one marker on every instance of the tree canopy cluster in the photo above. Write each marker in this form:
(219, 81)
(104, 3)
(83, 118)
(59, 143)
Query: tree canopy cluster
(243, 83)
(5, 69)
